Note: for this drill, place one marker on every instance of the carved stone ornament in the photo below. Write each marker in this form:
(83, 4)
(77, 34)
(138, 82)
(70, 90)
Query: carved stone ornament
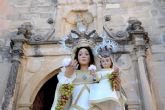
(85, 16)
(80, 36)
(134, 25)
(25, 29)
(37, 38)
(117, 35)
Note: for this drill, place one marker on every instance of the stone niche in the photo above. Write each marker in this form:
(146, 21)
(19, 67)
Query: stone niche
(91, 13)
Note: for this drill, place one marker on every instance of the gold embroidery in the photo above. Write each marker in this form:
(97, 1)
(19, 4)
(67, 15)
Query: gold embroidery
(94, 108)
(77, 107)
(83, 77)
(87, 88)
(91, 108)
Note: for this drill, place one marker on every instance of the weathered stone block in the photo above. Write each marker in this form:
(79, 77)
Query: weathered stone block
(116, 11)
(1, 59)
(145, 3)
(113, 1)
(154, 12)
(143, 14)
(158, 49)
(23, 9)
(42, 24)
(41, 9)
(2, 43)
(21, 3)
(5, 68)
(128, 4)
(46, 15)
(159, 57)
(28, 16)
(12, 17)
(4, 24)
(41, 3)
(155, 40)
(161, 20)
(66, 2)
(162, 11)
(163, 37)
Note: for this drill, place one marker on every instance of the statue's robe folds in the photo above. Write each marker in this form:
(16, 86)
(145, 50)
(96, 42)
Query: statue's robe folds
(79, 100)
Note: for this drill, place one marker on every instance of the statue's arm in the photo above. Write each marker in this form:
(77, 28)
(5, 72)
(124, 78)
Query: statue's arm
(64, 79)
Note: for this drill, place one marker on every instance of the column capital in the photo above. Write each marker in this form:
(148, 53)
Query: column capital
(23, 34)
(138, 35)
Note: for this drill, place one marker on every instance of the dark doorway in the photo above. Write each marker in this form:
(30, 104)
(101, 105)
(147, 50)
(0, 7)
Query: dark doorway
(45, 96)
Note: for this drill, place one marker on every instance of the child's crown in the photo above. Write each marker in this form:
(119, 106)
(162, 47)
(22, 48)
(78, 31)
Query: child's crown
(104, 51)
(107, 48)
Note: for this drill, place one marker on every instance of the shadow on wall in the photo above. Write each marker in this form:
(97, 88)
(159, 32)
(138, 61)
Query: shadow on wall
(45, 96)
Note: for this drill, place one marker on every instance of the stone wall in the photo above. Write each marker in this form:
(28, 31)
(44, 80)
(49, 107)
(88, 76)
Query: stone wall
(150, 12)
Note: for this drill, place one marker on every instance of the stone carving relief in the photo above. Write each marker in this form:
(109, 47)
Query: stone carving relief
(117, 35)
(75, 16)
(27, 30)
(5, 51)
(84, 15)
(134, 25)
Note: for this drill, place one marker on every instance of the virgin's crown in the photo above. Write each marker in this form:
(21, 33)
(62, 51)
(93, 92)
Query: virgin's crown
(80, 37)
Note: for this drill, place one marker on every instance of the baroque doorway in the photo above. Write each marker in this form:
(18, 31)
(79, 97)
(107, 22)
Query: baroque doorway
(45, 96)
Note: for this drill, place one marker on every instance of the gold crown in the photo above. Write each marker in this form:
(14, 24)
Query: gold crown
(104, 51)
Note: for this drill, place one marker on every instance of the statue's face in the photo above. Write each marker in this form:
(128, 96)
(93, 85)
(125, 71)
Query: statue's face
(83, 57)
(106, 62)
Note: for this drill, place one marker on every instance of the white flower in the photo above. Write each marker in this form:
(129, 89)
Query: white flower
(66, 62)
(92, 67)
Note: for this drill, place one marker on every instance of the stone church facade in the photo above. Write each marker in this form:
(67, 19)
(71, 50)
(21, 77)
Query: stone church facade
(31, 50)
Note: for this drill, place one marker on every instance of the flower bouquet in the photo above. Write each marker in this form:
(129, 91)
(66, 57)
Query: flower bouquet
(66, 91)
(112, 80)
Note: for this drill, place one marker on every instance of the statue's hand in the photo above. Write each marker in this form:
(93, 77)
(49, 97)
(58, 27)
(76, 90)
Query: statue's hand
(71, 68)
(116, 69)
(93, 73)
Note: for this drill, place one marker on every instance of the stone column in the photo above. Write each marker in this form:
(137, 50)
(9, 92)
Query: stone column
(17, 52)
(136, 105)
(11, 92)
(140, 40)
